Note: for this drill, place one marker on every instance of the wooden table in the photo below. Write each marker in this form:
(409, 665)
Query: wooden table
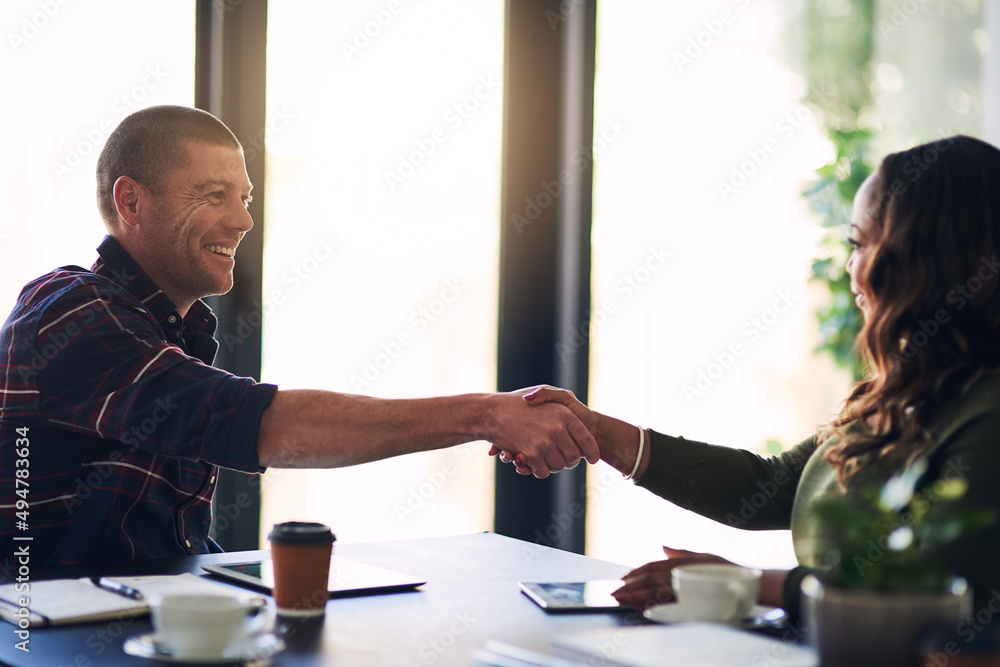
(471, 596)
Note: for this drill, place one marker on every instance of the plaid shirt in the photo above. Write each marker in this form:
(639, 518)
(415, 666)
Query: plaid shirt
(111, 398)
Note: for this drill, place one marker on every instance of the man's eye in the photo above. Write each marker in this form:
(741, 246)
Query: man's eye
(218, 195)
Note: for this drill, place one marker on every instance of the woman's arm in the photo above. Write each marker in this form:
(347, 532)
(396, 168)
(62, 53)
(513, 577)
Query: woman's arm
(732, 486)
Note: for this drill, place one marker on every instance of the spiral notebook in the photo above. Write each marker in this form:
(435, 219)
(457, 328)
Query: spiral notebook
(64, 601)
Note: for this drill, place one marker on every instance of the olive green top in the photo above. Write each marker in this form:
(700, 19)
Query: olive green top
(745, 490)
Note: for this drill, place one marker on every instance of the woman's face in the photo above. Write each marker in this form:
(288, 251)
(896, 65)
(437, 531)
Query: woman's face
(862, 243)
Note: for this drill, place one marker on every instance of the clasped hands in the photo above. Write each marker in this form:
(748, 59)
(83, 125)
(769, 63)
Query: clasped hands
(644, 586)
(549, 431)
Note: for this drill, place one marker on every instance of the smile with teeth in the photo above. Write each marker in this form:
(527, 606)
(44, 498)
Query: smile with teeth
(221, 250)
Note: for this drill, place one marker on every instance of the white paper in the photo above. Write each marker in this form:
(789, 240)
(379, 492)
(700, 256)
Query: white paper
(688, 644)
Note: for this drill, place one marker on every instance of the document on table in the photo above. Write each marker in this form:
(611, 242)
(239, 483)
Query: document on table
(60, 601)
(689, 644)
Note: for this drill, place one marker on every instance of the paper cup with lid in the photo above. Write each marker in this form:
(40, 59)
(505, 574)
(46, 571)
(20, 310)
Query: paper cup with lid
(300, 556)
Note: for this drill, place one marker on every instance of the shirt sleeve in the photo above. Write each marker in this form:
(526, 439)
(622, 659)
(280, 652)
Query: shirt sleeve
(112, 375)
(731, 486)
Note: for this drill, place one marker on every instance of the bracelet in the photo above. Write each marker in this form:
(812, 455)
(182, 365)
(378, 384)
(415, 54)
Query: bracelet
(638, 458)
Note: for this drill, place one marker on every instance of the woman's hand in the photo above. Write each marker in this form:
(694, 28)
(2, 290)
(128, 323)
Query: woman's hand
(617, 441)
(547, 394)
(649, 584)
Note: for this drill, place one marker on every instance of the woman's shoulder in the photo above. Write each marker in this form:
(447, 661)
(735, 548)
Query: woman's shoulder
(982, 394)
(977, 408)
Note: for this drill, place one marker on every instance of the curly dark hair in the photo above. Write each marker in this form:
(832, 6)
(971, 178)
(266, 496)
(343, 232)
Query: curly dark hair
(933, 326)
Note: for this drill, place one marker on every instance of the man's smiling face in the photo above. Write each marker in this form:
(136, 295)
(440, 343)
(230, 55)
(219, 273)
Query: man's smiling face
(195, 223)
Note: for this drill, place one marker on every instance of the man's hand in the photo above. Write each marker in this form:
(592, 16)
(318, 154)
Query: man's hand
(538, 396)
(617, 441)
(547, 438)
(650, 585)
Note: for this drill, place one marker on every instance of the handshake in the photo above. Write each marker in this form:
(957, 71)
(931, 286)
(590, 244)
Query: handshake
(543, 429)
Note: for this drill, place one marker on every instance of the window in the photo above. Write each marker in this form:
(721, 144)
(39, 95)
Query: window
(703, 319)
(381, 244)
(702, 250)
(67, 84)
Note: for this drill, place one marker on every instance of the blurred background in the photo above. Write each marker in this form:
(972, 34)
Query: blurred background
(729, 137)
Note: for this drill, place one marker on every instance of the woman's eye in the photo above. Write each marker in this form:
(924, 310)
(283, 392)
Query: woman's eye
(854, 244)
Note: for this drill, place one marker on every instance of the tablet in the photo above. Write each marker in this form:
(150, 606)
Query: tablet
(576, 596)
(347, 577)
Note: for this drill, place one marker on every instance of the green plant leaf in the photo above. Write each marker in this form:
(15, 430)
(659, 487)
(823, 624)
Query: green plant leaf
(948, 489)
(898, 491)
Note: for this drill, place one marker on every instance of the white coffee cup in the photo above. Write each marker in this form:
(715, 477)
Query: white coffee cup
(193, 626)
(717, 593)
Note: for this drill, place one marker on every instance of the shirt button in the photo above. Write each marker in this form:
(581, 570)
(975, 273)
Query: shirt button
(172, 319)
(211, 480)
(188, 543)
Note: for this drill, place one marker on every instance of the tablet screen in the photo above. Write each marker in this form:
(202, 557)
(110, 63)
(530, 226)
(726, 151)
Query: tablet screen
(592, 595)
(253, 570)
(347, 577)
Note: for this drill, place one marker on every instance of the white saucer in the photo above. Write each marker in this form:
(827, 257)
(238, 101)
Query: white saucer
(671, 613)
(257, 647)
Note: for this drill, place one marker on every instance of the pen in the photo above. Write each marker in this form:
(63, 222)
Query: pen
(119, 588)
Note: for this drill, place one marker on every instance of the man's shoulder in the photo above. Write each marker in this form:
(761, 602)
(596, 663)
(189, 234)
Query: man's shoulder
(67, 288)
(67, 280)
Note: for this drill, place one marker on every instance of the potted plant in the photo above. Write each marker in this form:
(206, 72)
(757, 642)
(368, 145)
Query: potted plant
(883, 587)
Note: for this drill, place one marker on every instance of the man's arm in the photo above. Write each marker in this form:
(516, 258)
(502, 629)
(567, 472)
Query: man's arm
(322, 429)
(117, 379)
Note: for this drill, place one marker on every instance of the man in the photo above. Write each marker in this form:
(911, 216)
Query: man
(112, 419)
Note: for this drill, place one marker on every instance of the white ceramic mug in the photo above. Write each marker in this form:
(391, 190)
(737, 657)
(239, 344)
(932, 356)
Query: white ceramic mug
(195, 626)
(715, 592)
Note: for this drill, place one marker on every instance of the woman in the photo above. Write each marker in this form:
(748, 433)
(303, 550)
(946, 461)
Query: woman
(924, 269)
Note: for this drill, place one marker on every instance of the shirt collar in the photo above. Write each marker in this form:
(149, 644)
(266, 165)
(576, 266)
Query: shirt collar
(116, 264)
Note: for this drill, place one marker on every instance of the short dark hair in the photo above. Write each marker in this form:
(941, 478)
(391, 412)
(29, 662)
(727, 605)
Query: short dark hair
(150, 144)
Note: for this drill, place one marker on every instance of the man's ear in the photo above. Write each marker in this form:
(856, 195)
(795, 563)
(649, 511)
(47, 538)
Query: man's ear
(130, 199)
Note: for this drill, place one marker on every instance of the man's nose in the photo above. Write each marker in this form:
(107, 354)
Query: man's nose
(240, 219)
